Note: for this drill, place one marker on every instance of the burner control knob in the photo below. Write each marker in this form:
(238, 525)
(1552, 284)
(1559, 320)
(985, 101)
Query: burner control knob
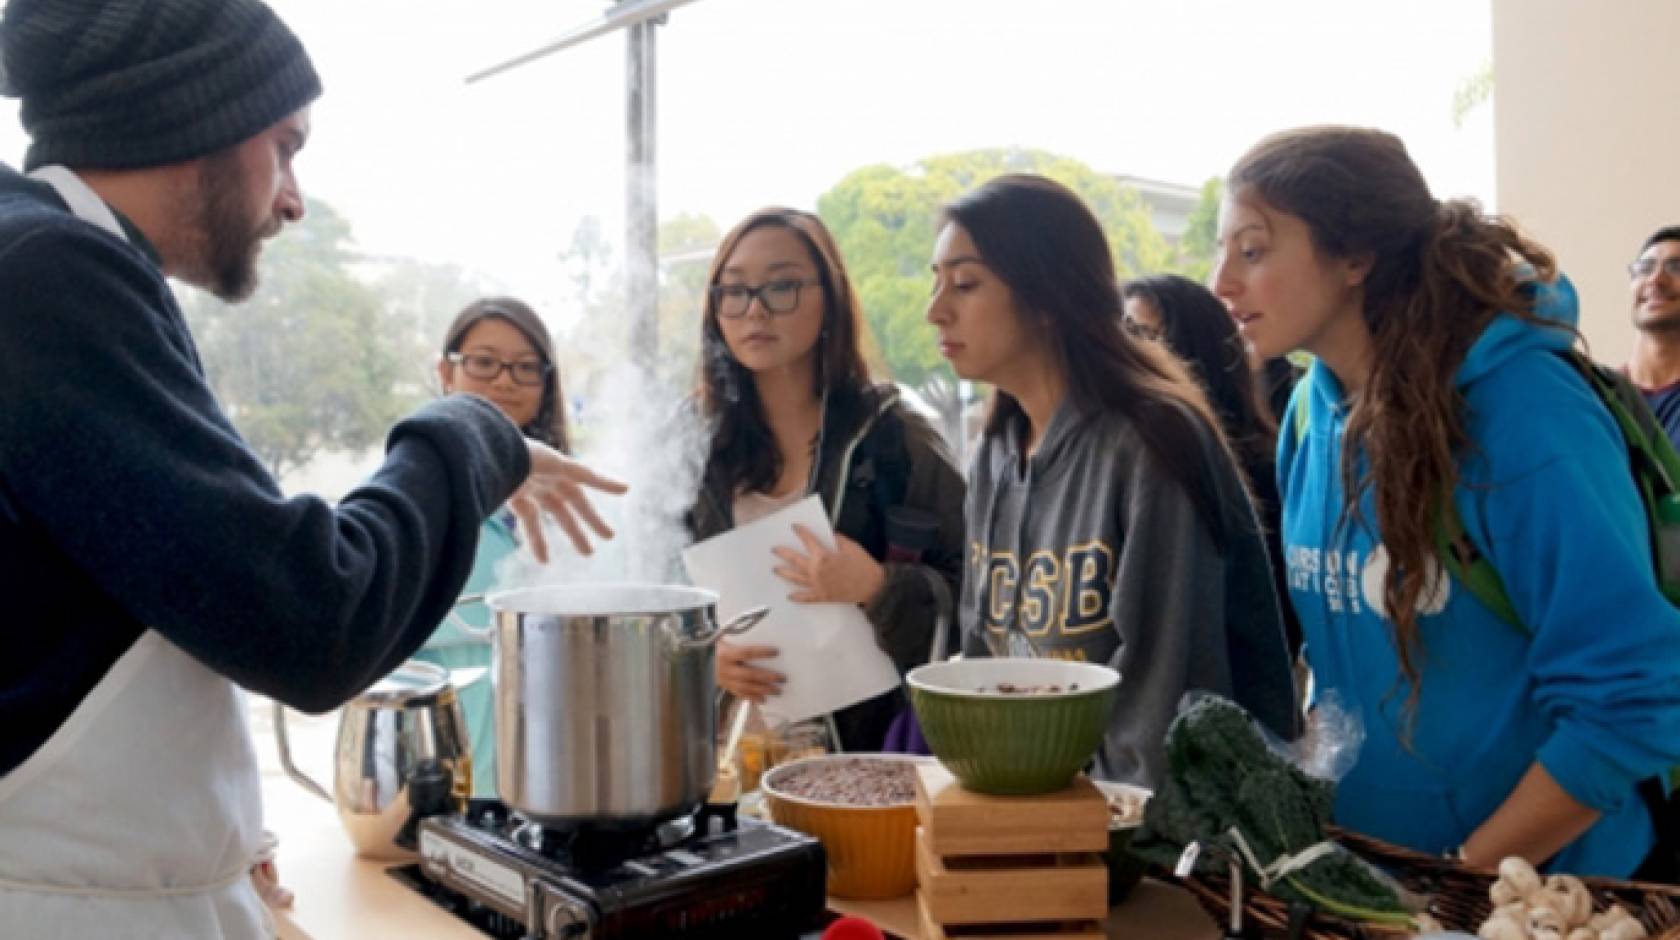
(567, 921)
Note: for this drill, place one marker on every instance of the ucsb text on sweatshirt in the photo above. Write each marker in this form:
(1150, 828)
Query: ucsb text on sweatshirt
(1094, 553)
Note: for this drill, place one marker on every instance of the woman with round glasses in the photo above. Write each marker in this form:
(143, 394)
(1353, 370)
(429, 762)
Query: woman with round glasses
(794, 413)
(497, 348)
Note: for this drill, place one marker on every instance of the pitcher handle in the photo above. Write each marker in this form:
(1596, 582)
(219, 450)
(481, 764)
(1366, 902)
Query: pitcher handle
(477, 633)
(737, 625)
(285, 747)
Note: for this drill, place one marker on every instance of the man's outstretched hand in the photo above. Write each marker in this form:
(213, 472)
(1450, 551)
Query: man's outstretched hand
(557, 486)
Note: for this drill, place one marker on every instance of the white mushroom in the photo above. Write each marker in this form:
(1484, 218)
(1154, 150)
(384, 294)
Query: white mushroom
(1573, 899)
(1582, 933)
(1614, 915)
(1629, 929)
(1517, 880)
(1501, 927)
(1502, 893)
(1545, 921)
(1618, 924)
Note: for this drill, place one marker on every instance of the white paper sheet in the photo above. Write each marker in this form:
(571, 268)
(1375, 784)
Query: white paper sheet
(827, 651)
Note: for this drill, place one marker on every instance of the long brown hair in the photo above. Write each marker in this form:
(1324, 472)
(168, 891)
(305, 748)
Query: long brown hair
(1440, 273)
(549, 425)
(1042, 241)
(744, 453)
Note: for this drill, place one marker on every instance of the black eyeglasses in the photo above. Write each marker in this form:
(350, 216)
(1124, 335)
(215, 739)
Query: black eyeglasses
(1645, 267)
(1139, 329)
(487, 368)
(777, 297)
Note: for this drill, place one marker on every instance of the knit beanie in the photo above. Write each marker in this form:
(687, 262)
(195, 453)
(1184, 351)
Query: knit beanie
(115, 84)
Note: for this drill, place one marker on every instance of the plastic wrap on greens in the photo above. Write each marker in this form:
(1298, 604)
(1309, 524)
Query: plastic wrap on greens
(1222, 776)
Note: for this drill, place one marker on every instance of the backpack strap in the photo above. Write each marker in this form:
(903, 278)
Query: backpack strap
(1656, 470)
(1472, 568)
(1653, 461)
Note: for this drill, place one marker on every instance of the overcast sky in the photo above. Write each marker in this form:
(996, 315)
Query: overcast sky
(773, 101)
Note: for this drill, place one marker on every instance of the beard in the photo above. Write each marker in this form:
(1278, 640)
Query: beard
(231, 238)
(1666, 321)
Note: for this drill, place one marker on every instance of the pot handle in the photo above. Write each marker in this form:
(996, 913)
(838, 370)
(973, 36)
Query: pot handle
(740, 624)
(477, 633)
(285, 747)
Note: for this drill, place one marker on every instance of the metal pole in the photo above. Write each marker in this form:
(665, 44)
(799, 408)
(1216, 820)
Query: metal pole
(641, 217)
(620, 16)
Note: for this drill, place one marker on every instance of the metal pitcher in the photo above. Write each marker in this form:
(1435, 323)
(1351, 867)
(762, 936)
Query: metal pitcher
(402, 745)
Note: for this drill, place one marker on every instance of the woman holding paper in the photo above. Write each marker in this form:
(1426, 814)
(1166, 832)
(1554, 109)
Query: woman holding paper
(794, 414)
(1109, 518)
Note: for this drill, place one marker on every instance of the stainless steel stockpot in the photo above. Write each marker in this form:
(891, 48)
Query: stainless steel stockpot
(605, 701)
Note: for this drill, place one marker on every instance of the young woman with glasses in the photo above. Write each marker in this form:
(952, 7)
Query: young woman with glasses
(1109, 520)
(1196, 327)
(1437, 334)
(794, 413)
(497, 348)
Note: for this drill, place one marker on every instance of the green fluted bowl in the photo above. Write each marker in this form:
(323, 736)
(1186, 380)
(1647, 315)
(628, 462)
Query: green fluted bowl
(1013, 744)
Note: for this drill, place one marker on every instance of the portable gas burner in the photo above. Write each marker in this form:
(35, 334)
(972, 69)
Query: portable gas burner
(701, 876)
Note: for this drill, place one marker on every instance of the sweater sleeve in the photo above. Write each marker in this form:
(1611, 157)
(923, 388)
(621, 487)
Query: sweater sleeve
(117, 453)
(1568, 536)
(905, 611)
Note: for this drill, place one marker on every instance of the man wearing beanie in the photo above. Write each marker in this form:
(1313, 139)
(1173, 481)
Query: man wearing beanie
(149, 562)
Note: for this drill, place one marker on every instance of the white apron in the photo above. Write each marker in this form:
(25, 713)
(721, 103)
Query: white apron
(140, 817)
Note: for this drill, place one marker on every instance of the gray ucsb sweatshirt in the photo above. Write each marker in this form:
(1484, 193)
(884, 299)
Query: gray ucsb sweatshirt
(1095, 554)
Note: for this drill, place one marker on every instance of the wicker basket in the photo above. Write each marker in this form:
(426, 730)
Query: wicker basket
(1458, 898)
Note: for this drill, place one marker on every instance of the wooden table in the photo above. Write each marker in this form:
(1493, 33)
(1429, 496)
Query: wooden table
(342, 897)
(1154, 910)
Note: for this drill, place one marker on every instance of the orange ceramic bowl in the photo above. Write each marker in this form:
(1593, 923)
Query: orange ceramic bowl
(871, 849)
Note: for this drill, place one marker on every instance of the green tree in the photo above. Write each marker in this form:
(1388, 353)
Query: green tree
(884, 219)
(1201, 233)
(313, 361)
(1473, 91)
(596, 343)
(588, 258)
(686, 244)
(421, 299)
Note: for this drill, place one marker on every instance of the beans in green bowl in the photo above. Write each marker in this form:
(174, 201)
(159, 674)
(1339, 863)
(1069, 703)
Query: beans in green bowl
(1013, 726)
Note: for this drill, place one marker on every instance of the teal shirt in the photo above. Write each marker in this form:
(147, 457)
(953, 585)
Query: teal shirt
(454, 648)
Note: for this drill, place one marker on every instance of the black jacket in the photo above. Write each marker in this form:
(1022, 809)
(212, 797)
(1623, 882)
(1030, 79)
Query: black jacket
(877, 454)
(127, 499)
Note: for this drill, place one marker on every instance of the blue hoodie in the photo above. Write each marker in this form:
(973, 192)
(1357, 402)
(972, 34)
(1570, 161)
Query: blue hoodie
(1591, 691)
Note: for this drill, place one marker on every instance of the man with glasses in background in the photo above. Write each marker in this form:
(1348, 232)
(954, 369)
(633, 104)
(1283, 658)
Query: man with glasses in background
(1655, 364)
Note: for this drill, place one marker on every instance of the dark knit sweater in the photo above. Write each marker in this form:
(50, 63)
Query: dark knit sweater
(127, 499)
